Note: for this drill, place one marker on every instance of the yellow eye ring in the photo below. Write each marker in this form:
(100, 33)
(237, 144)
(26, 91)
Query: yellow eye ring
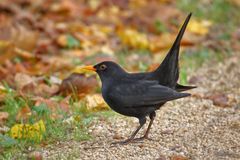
(103, 67)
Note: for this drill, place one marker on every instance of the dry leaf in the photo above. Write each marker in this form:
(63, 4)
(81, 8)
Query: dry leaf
(220, 100)
(45, 90)
(95, 103)
(3, 92)
(199, 27)
(6, 50)
(133, 38)
(28, 131)
(35, 155)
(178, 157)
(3, 117)
(23, 53)
(23, 114)
(162, 42)
(62, 41)
(54, 106)
(34, 86)
(22, 80)
(18, 36)
(78, 84)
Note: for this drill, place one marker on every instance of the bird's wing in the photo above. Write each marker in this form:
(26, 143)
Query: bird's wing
(143, 93)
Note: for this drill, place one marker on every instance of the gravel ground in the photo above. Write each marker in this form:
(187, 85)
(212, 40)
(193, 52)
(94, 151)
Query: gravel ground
(189, 128)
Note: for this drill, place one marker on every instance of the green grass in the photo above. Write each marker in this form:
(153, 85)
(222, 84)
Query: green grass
(56, 130)
(223, 13)
(225, 16)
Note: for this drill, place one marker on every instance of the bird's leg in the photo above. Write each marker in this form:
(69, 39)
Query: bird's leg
(142, 121)
(151, 116)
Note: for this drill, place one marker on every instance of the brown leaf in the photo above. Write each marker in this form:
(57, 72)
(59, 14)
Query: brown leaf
(29, 86)
(54, 106)
(149, 13)
(78, 84)
(178, 157)
(199, 27)
(166, 40)
(220, 99)
(64, 104)
(45, 90)
(117, 136)
(6, 49)
(3, 117)
(22, 80)
(23, 114)
(35, 155)
(133, 38)
(17, 36)
(95, 102)
(23, 53)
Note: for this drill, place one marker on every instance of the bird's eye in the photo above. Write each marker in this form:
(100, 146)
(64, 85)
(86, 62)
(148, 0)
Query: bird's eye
(103, 67)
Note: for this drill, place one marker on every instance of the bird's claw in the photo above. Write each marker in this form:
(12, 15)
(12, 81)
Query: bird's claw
(142, 138)
(131, 140)
(122, 142)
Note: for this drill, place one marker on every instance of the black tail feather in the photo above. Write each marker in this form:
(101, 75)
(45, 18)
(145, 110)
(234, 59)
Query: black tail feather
(168, 71)
(181, 88)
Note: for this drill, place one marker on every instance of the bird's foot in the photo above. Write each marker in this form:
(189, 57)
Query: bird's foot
(142, 138)
(122, 142)
(132, 140)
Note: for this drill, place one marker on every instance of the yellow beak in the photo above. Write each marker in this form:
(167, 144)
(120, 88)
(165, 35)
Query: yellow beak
(91, 68)
(84, 69)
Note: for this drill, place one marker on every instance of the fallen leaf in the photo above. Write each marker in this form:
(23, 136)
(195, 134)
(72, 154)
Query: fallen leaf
(78, 84)
(28, 131)
(18, 34)
(22, 79)
(235, 2)
(6, 50)
(165, 39)
(3, 92)
(95, 103)
(35, 155)
(117, 136)
(23, 114)
(64, 104)
(220, 99)
(178, 157)
(45, 90)
(134, 39)
(68, 41)
(34, 86)
(55, 107)
(23, 53)
(3, 117)
(199, 27)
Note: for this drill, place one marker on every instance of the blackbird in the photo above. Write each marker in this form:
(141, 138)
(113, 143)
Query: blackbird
(141, 94)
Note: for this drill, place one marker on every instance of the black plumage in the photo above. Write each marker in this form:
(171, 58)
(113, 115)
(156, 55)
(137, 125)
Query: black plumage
(141, 94)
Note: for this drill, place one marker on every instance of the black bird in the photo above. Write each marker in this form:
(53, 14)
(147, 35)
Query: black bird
(141, 94)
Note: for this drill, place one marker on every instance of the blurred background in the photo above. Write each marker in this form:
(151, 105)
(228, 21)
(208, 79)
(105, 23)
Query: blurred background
(42, 42)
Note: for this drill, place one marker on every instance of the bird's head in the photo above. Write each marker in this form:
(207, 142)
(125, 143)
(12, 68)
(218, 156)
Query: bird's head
(106, 70)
